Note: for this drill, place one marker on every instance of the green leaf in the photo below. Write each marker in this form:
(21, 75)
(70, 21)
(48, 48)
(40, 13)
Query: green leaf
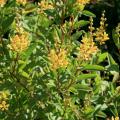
(111, 60)
(116, 38)
(101, 114)
(86, 76)
(93, 67)
(102, 57)
(22, 64)
(82, 87)
(29, 8)
(77, 34)
(113, 109)
(44, 21)
(7, 22)
(112, 67)
(24, 74)
(89, 111)
(88, 13)
(29, 51)
(81, 23)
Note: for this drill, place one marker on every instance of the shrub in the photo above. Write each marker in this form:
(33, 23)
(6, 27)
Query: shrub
(53, 62)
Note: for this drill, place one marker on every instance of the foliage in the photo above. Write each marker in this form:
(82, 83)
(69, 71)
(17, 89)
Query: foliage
(52, 67)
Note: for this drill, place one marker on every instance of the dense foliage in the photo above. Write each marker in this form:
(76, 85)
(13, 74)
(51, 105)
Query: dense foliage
(56, 62)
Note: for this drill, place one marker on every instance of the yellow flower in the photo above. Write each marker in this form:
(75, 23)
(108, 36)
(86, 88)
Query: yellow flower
(80, 4)
(19, 43)
(58, 59)
(2, 2)
(4, 95)
(116, 118)
(100, 34)
(21, 1)
(91, 28)
(44, 5)
(112, 118)
(87, 48)
(102, 37)
(83, 2)
(4, 106)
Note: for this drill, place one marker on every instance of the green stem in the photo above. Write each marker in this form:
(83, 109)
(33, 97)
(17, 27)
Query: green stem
(2, 43)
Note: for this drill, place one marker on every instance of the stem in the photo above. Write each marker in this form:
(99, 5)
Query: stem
(2, 43)
(15, 63)
(18, 81)
(58, 85)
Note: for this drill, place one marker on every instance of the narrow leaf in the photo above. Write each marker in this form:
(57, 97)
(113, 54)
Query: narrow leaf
(88, 13)
(86, 76)
(93, 67)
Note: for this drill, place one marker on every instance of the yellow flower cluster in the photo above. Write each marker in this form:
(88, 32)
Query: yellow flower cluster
(87, 48)
(58, 59)
(116, 118)
(91, 28)
(19, 43)
(44, 5)
(3, 100)
(2, 2)
(4, 106)
(4, 95)
(100, 34)
(83, 2)
(21, 1)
